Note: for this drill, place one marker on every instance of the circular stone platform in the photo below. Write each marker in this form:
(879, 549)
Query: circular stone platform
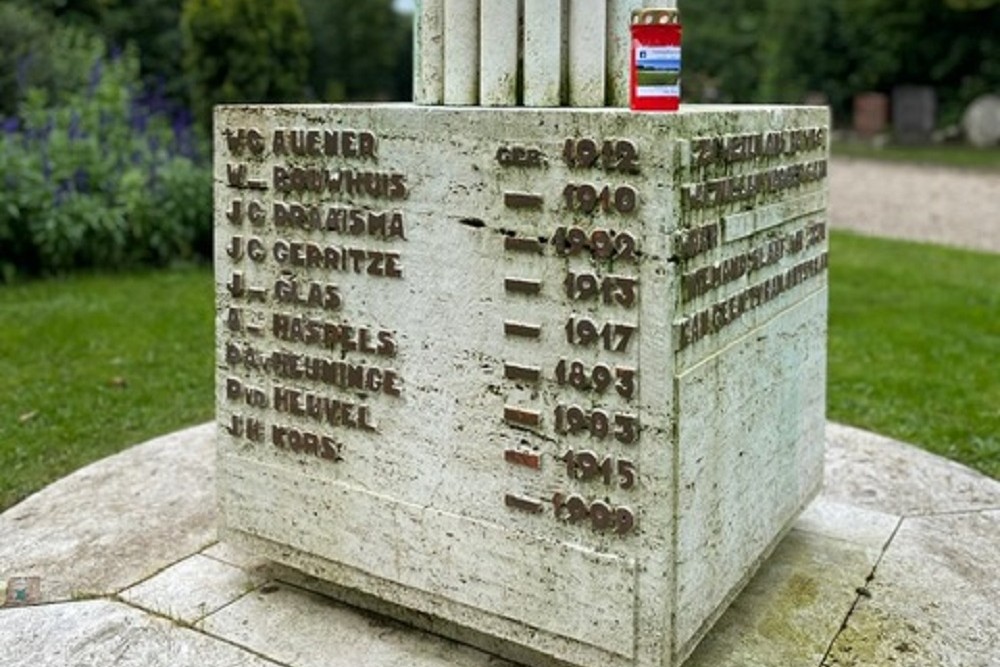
(897, 562)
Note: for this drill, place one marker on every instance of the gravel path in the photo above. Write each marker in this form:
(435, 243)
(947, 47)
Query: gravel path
(954, 207)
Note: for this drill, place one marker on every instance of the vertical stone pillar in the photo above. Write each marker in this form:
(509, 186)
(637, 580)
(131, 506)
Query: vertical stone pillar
(587, 52)
(619, 41)
(461, 52)
(543, 52)
(498, 52)
(428, 53)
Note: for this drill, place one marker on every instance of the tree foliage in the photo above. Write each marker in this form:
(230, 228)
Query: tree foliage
(151, 27)
(244, 51)
(778, 51)
(361, 50)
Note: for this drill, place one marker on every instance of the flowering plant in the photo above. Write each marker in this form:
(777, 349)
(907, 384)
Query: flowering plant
(106, 176)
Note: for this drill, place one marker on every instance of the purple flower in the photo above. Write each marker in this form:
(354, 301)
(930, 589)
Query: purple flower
(74, 126)
(95, 77)
(81, 181)
(10, 125)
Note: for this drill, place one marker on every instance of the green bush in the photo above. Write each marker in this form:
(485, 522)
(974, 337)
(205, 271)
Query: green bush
(100, 176)
(244, 51)
(40, 56)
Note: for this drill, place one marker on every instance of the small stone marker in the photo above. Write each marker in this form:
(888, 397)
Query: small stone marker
(23, 591)
(549, 381)
(914, 113)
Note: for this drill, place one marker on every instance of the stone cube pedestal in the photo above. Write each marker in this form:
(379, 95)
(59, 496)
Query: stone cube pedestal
(547, 381)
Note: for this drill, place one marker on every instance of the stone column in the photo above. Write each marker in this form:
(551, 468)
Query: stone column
(543, 52)
(588, 22)
(461, 52)
(619, 50)
(428, 53)
(498, 52)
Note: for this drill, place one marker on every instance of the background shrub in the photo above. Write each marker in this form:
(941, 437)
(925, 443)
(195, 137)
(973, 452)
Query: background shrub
(100, 175)
(244, 51)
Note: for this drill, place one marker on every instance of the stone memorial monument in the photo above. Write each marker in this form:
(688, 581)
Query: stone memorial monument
(515, 364)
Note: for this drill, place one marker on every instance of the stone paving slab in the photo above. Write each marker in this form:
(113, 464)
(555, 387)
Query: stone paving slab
(194, 588)
(875, 472)
(897, 563)
(304, 629)
(100, 633)
(117, 521)
(934, 600)
(788, 614)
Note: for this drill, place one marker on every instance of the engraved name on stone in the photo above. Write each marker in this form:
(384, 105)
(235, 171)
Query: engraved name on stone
(333, 392)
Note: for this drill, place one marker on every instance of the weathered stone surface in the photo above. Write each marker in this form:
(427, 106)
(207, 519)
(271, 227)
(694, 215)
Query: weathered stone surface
(875, 472)
(428, 53)
(306, 630)
(933, 600)
(981, 121)
(788, 612)
(931, 605)
(543, 82)
(598, 384)
(587, 51)
(228, 553)
(853, 524)
(98, 531)
(193, 588)
(498, 52)
(100, 633)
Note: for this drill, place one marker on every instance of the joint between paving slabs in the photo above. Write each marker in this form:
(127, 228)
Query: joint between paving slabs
(117, 597)
(194, 628)
(960, 512)
(862, 593)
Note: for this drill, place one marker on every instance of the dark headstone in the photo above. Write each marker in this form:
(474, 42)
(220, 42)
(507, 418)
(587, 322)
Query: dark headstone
(914, 113)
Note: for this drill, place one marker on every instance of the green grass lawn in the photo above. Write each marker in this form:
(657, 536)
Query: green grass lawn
(915, 345)
(92, 364)
(941, 155)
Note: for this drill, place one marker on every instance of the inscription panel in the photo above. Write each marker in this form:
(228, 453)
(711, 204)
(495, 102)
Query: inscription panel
(436, 324)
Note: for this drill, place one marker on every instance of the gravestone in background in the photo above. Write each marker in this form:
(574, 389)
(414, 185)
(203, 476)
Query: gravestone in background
(549, 381)
(871, 114)
(914, 113)
(981, 121)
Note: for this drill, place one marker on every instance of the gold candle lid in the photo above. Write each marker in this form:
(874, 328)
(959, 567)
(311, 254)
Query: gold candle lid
(655, 16)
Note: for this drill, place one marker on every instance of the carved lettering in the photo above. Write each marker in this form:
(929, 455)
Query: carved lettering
(325, 143)
(310, 295)
(240, 139)
(517, 156)
(304, 442)
(713, 319)
(746, 187)
(331, 336)
(349, 182)
(385, 225)
(332, 411)
(338, 258)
